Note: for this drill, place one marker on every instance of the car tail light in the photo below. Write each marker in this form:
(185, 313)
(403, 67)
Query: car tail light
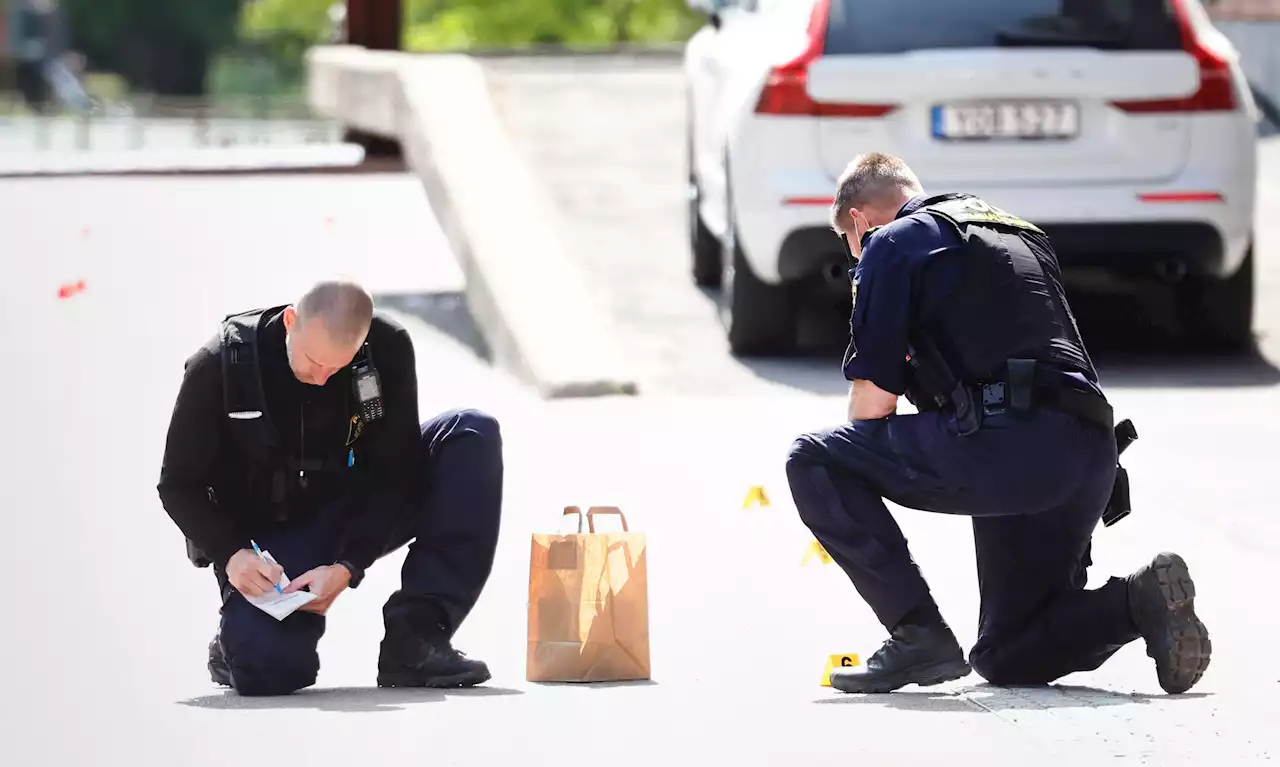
(1217, 91)
(784, 90)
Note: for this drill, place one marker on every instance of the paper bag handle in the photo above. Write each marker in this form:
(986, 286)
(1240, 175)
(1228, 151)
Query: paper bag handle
(574, 510)
(591, 512)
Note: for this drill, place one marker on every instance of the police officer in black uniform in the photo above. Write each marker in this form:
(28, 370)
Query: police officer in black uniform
(296, 428)
(958, 306)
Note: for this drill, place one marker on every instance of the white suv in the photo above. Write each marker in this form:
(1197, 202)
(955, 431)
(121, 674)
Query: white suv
(1125, 128)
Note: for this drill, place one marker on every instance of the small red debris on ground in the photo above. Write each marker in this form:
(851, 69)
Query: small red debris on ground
(69, 289)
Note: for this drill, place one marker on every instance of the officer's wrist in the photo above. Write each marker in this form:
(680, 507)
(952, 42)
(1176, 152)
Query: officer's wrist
(354, 574)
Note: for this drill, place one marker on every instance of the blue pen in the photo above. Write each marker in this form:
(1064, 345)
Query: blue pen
(264, 559)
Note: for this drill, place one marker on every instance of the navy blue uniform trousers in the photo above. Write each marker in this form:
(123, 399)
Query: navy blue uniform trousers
(1035, 486)
(454, 532)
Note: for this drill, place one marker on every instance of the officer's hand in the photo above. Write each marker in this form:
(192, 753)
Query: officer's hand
(252, 575)
(326, 582)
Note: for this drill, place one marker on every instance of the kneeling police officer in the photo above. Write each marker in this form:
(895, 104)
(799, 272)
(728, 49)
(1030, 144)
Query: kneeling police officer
(958, 306)
(296, 428)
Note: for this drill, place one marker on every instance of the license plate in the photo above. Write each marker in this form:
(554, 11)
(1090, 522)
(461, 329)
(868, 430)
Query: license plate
(1020, 120)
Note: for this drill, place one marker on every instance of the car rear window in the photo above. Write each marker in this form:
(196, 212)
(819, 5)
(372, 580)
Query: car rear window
(896, 26)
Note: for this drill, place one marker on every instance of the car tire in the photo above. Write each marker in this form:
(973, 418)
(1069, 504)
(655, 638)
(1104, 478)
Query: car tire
(703, 245)
(759, 318)
(1218, 313)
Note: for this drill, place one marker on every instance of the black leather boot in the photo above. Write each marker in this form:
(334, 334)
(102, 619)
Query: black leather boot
(409, 658)
(914, 654)
(1162, 606)
(219, 671)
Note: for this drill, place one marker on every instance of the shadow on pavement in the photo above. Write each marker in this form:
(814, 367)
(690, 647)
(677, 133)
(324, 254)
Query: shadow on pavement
(1190, 371)
(993, 699)
(1118, 368)
(345, 699)
(595, 685)
(1133, 341)
(447, 312)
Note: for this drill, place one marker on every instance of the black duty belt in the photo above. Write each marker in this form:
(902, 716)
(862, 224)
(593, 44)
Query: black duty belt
(995, 398)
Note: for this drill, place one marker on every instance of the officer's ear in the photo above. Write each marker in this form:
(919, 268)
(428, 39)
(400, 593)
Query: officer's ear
(858, 224)
(290, 317)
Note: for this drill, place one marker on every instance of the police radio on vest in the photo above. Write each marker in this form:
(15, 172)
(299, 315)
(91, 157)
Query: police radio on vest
(368, 391)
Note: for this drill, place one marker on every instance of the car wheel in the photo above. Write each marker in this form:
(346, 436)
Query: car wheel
(703, 245)
(759, 318)
(1218, 313)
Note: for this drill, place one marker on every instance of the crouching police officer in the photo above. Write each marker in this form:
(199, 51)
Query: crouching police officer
(958, 306)
(296, 428)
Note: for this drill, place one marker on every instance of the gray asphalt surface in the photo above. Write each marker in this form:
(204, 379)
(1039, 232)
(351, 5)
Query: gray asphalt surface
(106, 624)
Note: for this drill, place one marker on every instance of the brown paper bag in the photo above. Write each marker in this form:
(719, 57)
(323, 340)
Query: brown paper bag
(588, 604)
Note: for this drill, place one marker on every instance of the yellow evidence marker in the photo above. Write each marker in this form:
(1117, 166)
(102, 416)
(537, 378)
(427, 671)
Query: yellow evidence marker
(837, 661)
(815, 550)
(756, 496)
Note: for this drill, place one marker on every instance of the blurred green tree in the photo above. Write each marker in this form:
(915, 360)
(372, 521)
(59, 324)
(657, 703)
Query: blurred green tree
(284, 29)
(460, 24)
(159, 46)
(166, 46)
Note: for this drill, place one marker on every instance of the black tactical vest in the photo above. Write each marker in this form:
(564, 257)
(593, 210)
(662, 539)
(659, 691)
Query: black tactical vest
(1009, 301)
(271, 468)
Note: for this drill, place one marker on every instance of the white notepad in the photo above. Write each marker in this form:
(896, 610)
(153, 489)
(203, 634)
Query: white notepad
(276, 604)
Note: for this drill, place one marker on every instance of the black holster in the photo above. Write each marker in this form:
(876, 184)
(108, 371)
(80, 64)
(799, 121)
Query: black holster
(1118, 506)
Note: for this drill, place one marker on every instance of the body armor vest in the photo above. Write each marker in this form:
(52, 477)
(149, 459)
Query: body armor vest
(1008, 300)
(271, 466)
(1007, 315)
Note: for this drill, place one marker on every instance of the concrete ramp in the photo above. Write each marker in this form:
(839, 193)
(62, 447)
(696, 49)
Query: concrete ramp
(534, 306)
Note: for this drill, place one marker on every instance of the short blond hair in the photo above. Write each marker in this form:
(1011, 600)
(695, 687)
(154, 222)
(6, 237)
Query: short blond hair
(869, 180)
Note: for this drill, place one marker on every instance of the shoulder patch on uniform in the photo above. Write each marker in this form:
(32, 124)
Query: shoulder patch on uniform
(973, 210)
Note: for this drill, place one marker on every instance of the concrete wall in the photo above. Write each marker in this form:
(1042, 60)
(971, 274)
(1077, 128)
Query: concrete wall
(539, 319)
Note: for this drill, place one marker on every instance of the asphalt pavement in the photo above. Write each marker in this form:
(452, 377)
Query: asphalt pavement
(103, 650)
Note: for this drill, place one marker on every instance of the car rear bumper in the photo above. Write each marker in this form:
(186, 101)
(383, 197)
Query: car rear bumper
(787, 237)
(1132, 230)
(1141, 249)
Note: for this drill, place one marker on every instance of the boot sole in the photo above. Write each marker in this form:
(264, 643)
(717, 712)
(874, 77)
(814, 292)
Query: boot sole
(465, 679)
(1187, 639)
(928, 676)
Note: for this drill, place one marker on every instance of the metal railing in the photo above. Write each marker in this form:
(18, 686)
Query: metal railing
(141, 122)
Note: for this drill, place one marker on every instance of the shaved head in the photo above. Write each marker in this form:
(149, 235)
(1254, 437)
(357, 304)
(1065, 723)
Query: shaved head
(344, 308)
(325, 329)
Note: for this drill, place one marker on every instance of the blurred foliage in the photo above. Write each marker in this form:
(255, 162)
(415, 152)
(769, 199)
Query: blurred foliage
(190, 47)
(283, 30)
(162, 46)
(461, 24)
